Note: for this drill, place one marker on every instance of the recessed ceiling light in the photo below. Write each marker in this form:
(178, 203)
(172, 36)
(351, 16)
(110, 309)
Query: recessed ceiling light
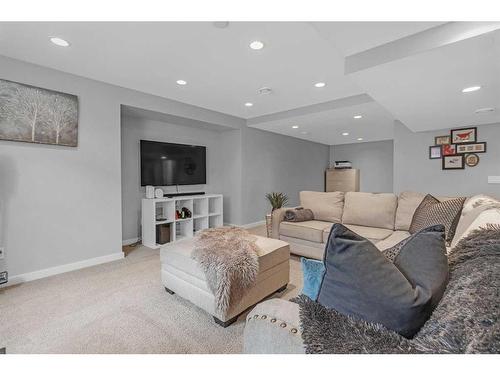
(248, 104)
(181, 82)
(483, 110)
(256, 44)
(345, 133)
(471, 89)
(295, 127)
(357, 116)
(320, 84)
(360, 139)
(59, 41)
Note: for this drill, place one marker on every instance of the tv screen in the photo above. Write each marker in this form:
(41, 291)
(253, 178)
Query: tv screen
(164, 164)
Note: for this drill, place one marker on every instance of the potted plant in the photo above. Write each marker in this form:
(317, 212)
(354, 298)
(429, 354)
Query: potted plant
(277, 200)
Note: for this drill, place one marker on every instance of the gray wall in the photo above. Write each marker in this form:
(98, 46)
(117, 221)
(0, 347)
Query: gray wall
(61, 205)
(274, 162)
(413, 170)
(373, 159)
(218, 178)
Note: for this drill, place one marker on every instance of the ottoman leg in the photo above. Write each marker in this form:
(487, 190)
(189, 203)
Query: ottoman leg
(282, 289)
(227, 323)
(169, 291)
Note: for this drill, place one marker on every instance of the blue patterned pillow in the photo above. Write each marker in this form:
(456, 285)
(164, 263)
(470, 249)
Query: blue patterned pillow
(313, 271)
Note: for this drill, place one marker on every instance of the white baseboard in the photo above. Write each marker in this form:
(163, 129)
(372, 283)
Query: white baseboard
(247, 226)
(30, 276)
(130, 241)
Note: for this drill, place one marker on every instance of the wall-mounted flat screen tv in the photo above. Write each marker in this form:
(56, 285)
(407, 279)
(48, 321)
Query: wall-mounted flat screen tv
(164, 164)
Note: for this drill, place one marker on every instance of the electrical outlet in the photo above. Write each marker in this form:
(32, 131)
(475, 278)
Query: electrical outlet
(4, 277)
(2, 252)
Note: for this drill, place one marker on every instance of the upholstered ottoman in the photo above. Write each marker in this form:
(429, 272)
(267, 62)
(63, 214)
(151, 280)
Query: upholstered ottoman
(182, 275)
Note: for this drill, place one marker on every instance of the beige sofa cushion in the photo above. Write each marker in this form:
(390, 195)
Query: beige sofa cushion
(373, 234)
(408, 202)
(305, 230)
(395, 238)
(370, 209)
(325, 206)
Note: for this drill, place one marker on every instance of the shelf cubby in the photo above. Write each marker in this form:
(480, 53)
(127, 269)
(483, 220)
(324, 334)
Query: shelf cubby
(206, 213)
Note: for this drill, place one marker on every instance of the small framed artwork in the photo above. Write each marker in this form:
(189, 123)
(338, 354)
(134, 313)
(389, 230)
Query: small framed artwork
(435, 152)
(476, 148)
(442, 140)
(465, 135)
(448, 150)
(471, 160)
(453, 162)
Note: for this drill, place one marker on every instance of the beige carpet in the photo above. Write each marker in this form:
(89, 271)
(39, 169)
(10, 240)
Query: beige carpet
(117, 307)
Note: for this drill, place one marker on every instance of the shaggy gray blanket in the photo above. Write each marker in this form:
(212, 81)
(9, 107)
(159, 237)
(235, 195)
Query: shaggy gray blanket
(465, 321)
(229, 258)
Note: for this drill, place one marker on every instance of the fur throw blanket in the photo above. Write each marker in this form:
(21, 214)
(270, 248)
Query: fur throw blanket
(465, 321)
(229, 258)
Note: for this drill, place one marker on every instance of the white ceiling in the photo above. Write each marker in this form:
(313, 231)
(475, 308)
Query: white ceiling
(327, 126)
(354, 37)
(422, 90)
(221, 70)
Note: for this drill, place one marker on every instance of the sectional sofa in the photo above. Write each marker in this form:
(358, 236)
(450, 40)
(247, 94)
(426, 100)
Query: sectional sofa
(383, 218)
(274, 326)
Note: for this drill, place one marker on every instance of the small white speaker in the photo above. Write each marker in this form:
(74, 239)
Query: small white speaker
(159, 193)
(150, 191)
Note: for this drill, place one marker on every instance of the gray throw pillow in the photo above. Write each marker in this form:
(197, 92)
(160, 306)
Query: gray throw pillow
(361, 282)
(431, 211)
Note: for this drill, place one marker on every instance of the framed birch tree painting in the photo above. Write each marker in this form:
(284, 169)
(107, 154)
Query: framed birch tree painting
(36, 115)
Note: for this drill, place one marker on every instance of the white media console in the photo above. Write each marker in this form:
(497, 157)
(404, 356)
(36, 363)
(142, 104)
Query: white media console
(206, 213)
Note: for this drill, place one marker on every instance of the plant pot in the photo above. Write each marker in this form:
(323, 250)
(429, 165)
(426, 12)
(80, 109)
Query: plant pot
(269, 225)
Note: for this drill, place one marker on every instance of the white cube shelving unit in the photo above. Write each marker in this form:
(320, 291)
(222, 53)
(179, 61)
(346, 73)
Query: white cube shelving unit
(206, 213)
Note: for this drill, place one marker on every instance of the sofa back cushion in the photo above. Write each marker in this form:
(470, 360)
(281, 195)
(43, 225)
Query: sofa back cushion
(408, 202)
(370, 209)
(477, 218)
(325, 206)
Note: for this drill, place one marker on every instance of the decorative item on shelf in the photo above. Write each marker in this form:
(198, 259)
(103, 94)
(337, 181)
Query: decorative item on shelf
(453, 162)
(186, 213)
(442, 140)
(471, 160)
(150, 192)
(277, 200)
(464, 135)
(434, 152)
(479, 147)
(159, 193)
(177, 214)
(448, 150)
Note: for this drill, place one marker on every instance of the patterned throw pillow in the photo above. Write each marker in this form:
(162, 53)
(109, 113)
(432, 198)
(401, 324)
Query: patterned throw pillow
(392, 252)
(433, 212)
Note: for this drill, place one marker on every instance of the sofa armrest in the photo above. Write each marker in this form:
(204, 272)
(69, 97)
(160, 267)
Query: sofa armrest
(277, 217)
(273, 327)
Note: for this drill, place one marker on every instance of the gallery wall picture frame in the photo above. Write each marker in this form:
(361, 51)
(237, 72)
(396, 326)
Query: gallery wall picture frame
(453, 162)
(471, 160)
(448, 149)
(442, 140)
(435, 152)
(37, 115)
(471, 148)
(463, 135)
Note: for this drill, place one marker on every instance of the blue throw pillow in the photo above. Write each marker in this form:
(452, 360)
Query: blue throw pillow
(313, 271)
